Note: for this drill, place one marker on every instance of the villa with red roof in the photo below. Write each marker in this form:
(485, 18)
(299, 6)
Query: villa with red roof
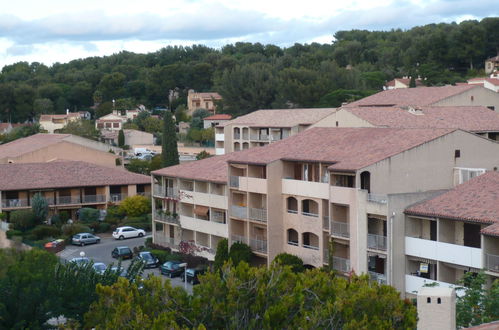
(215, 120)
(197, 100)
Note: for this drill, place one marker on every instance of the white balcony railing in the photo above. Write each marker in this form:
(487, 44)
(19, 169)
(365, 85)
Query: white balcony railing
(492, 262)
(310, 214)
(117, 197)
(341, 264)
(414, 283)
(239, 211)
(258, 245)
(258, 214)
(163, 240)
(380, 278)
(340, 229)
(313, 247)
(376, 242)
(217, 216)
(234, 181)
(167, 218)
(380, 199)
(14, 202)
(238, 238)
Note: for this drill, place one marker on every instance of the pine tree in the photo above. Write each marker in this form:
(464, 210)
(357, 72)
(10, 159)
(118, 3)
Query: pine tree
(169, 151)
(121, 138)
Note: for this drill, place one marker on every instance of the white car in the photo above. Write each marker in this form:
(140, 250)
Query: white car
(127, 232)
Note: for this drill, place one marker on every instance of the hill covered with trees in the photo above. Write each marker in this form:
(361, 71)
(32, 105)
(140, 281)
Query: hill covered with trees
(252, 76)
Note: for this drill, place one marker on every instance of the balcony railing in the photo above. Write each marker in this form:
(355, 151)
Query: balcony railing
(325, 222)
(341, 264)
(94, 199)
(258, 214)
(64, 200)
(168, 218)
(163, 240)
(376, 242)
(340, 229)
(159, 190)
(293, 211)
(234, 181)
(217, 216)
(239, 211)
(144, 193)
(313, 247)
(492, 262)
(237, 136)
(295, 243)
(117, 197)
(238, 238)
(14, 202)
(310, 214)
(171, 192)
(380, 278)
(258, 245)
(380, 199)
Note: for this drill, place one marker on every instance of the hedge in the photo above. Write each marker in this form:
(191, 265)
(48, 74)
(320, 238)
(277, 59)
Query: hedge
(44, 231)
(11, 233)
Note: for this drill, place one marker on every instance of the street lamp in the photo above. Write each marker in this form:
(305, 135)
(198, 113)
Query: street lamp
(185, 274)
(82, 254)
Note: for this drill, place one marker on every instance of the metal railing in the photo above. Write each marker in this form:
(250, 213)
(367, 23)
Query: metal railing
(238, 238)
(380, 278)
(258, 214)
(380, 199)
(325, 222)
(258, 245)
(237, 136)
(14, 202)
(144, 193)
(234, 181)
(293, 211)
(310, 247)
(61, 200)
(167, 218)
(341, 264)
(310, 214)
(94, 199)
(217, 216)
(163, 240)
(492, 262)
(376, 242)
(295, 243)
(239, 211)
(340, 229)
(159, 190)
(117, 197)
(171, 192)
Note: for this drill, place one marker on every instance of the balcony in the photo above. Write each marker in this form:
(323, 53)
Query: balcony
(258, 245)
(159, 190)
(258, 214)
(305, 188)
(234, 181)
(380, 199)
(414, 283)
(310, 214)
(219, 136)
(446, 252)
(203, 226)
(166, 218)
(162, 191)
(117, 197)
(14, 202)
(163, 240)
(492, 262)
(89, 199)
(218, 217)
(240, 212)
(340, 229)
(325, 223)
(341, 264)
(261, 137)
(376, 242)
(144, 193)
(380, 278)
(65, 200)
(238, 238)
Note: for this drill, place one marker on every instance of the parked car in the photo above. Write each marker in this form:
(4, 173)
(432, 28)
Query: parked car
(191, 274)
(127, 232)
(171, 269)
(80, 261)
(120, 271)
(99, 267)
(122, 252)
(149, 260)
(82, 239)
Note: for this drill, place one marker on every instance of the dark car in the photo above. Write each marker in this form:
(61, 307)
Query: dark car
(171, 269)
(191, 274)
(149, 260)
(84, 238)
(122, 252)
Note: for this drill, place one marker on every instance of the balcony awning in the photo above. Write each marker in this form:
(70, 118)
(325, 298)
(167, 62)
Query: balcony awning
(201, 210)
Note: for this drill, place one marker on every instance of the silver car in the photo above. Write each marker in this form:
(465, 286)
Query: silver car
(82, 239)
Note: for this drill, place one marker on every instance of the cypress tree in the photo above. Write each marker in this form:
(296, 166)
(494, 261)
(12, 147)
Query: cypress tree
(121, 138)
(169, 151)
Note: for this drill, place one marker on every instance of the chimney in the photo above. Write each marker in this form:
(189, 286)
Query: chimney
(67, 111)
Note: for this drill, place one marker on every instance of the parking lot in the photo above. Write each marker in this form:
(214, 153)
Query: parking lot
(101, 252)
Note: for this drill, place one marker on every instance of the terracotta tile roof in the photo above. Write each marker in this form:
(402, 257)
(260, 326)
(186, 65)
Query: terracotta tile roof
(29, 144)
(61, 174)
(349, 149)
(109, 121)
(405, 81)
(492, 230)
(411, 96)
(493, 81)
(475, 119)
(207, 96)
(495, 58)
(282, 117)
(486, 326)
(220, 116)
(213, 169)
(65, 116)
(475, 200)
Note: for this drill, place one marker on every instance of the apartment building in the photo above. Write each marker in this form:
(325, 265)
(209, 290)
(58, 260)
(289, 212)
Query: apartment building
(67, 185)
(459, 95)
(190, 206)
(262, 127)
(350, 185)
(477, 119)
(454, 233)
(51, 147)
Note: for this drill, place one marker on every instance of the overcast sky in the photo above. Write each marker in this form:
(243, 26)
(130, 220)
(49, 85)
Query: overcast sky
(61, 30)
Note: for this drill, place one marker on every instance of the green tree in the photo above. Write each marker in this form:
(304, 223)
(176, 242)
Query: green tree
(40, 207)
(121, 138)
(23, 219)
(41, 106)
(112, 86)
(291, 260)
(222, 255)
(83, 128)
(140, 166)
(202, 155)
(135, 206)
(238, 252)
(169, 150)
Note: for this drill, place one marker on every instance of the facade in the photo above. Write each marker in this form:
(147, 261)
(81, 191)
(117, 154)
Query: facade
(259, 128)
(110, 122)
(403, 82)
(50, 123)
(205, 101)
(215, 120)
(133, 137)
(454, 233)
(51, 147)
(491, 83)
(492, 65)
(436, 308)
(67, 185)
(477, 119)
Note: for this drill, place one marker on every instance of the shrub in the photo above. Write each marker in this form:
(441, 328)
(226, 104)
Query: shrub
(148, 242)
(293, 261)
(147, 226)
(11, 233)
(23, 219)
(44, 231)
(3, 216)
(164, 256)
(70, 230)
(239, 252)
(136, 205)
(64, 215)
(222, 254)
(87, 214)
(103, 227)
(55, 219)
(40, 207)
(135, 220)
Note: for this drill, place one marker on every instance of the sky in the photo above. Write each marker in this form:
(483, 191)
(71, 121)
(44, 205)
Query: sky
(62, 30)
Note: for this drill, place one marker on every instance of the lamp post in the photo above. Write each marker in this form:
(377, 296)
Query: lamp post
(185, 274)
(82, 254)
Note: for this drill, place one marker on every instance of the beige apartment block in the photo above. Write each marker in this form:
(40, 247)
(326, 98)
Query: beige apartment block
(190, 206)
(453, 233)
(68, 185)
(52, 147)
(197, 100)
(262, 127)
(50, 123)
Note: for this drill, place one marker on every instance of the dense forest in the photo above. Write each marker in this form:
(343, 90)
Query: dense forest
(252, 76)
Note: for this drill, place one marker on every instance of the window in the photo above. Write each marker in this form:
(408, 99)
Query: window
(292, 237)
(365, 181)
(457, 153)
(439, 301)
(428, 300)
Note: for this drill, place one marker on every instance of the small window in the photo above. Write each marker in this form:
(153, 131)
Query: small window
(457, 153)
(337, 123)
(428, 300)
(472, 98)
(439, 301)
(491, 107)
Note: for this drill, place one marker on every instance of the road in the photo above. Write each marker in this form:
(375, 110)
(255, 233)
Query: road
(102, 253)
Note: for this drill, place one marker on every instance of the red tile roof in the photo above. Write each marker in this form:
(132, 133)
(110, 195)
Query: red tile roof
(220, 116)
(29, 144)
(206, 96)
(405, 81)
(475, 200)
(412, 96)
(475, 119)
(349, 149)
(213, 169)
(65, 116)
(62, 174)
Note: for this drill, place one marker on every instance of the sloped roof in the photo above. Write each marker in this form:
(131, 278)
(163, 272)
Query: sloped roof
(475, 200)
(206, 95)
(348, 149)
(281, 117)
(62, 174)
(470, 118)
(29, 144)
(420, 96)
(220, 116)
(213, 169)
(65, 116)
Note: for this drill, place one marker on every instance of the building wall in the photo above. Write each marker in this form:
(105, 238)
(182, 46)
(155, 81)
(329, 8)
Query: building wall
(473, 97)
(134, 137)
(342, 118)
